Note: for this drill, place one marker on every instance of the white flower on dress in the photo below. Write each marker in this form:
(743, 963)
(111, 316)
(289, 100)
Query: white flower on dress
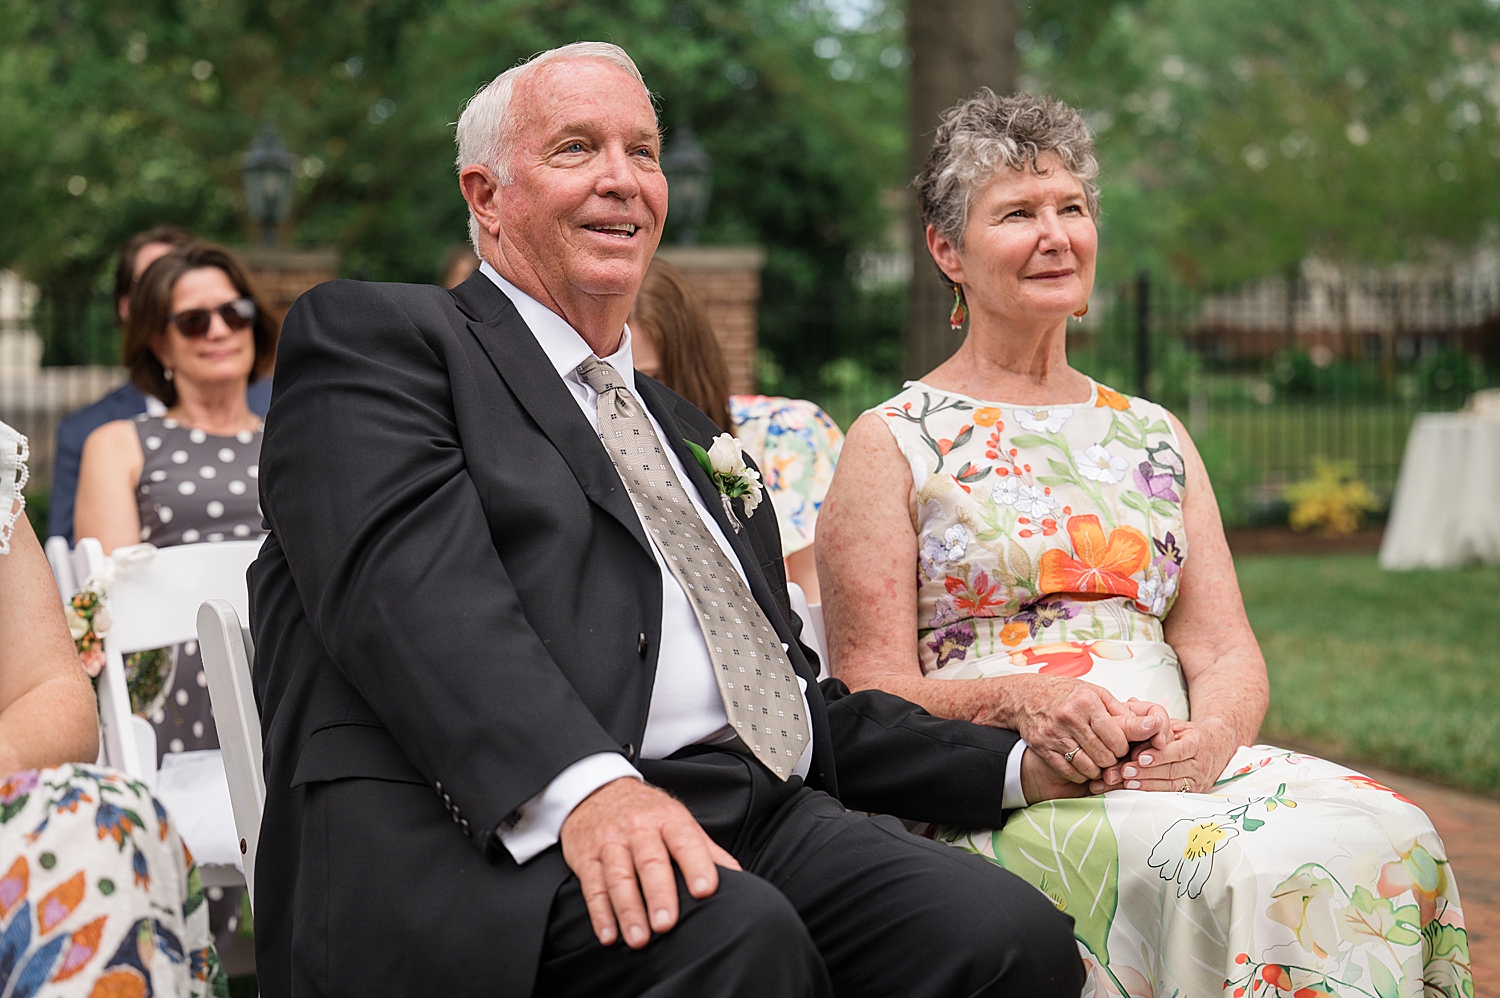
(1099, 465)
(1185, 852)
(956, 541)
(1028, 500)
(1154, 593)
(1043, 420)
(1036, 503)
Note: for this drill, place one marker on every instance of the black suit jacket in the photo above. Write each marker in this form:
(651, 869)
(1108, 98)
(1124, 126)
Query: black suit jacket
(456, 602)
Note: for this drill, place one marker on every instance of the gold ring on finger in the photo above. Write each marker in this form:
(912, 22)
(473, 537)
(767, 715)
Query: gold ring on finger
(1068, 756)
(1187, 784)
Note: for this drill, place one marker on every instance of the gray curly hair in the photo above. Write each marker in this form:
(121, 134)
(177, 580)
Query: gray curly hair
(982, 133)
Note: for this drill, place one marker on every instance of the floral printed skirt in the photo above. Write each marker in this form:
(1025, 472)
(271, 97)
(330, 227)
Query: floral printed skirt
(1295, 876)
(98, 895)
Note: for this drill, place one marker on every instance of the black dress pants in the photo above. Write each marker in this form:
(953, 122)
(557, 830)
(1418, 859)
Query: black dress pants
(830, 903)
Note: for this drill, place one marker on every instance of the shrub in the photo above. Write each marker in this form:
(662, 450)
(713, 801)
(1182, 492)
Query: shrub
(1333, 500)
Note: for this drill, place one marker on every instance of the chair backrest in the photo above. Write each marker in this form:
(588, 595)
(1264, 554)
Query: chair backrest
(227, 657)
(812, 626)
(154, 604)
(60, 557)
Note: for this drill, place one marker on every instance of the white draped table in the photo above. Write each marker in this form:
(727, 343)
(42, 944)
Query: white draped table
(1446, 509)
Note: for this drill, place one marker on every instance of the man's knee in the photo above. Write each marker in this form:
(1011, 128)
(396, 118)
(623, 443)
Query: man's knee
(752, 911)
(748, 939)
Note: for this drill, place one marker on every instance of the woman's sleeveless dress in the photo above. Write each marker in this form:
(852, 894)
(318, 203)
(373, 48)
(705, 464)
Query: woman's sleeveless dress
(1051, 541)
(195, 488)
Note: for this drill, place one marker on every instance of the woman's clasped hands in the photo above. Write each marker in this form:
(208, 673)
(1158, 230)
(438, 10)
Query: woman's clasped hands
(1190, 763)
(1082, 732)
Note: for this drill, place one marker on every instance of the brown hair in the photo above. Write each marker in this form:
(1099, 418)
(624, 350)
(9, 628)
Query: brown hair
(151, 305)
(692, 365)
(125, 266)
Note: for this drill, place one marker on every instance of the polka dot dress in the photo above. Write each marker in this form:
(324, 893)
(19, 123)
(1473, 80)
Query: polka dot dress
(195, 488)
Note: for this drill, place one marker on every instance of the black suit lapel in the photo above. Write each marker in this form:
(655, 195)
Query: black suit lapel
(525, 369)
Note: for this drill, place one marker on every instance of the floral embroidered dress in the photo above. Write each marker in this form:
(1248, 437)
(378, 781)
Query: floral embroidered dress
(1051, 541)
(796, 446)
(98, 895)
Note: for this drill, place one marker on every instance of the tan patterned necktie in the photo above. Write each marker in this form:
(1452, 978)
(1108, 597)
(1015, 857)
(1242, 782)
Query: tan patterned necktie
(759, 687)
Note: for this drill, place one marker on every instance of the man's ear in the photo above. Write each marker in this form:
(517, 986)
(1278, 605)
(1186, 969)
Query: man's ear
(481, 189)
(945, 254)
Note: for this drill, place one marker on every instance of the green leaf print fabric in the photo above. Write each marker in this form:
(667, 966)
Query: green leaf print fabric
(1051, 542)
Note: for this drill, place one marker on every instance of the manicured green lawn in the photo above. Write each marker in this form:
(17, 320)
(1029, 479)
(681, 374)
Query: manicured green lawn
(1400, 669)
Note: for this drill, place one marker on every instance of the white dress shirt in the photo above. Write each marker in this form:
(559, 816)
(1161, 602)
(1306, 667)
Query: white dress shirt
(686, 707)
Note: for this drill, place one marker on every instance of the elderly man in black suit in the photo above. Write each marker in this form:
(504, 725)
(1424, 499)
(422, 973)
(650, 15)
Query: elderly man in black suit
(537, 720)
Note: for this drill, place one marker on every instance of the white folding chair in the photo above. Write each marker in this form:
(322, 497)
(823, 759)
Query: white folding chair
(228, 654)
(154, 603)
(812, 626)
(128, 741)
(60, 557)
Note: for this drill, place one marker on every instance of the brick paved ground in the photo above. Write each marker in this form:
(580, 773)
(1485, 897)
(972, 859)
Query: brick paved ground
(1470, 827)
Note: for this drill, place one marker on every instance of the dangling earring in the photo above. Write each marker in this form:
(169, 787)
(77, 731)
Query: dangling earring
(166, 372)
(960, 313)
(1082, 311)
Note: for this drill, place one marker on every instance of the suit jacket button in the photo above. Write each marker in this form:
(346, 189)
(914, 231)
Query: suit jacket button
(629, 750)
(640, 645)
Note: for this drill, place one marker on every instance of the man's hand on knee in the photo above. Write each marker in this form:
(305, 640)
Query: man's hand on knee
(622, 840)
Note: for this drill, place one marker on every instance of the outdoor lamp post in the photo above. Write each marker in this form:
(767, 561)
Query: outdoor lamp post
(267, 172)
(690, 179)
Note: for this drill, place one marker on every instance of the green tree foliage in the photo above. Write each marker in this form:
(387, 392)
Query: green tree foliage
(116, 115)
(1236, 139)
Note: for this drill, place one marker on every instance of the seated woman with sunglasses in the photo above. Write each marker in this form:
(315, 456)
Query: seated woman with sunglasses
(195, 337)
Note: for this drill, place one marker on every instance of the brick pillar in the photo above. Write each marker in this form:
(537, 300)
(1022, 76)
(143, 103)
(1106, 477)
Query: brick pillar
(727, 279)
(280, 276)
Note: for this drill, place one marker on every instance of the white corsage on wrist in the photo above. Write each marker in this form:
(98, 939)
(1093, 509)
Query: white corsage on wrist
(724, 463)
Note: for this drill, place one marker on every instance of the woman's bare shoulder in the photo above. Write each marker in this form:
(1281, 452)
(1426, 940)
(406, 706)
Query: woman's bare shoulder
(114, 443)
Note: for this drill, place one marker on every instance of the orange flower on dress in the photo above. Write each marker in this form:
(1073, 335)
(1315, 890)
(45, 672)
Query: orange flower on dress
(1111, 398)
(1065, 658)
(1014, 633)
(986, 416)
(978, 599)
(1366, 783)
(1100, 566)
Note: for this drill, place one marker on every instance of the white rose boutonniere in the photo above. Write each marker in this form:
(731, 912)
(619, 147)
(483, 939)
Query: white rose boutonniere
(724, 463)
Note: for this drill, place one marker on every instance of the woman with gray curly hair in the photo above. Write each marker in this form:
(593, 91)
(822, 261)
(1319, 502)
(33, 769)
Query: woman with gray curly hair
(1006, 541)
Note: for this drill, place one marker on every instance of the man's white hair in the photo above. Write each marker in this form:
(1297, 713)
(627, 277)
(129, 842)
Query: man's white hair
(486, 132)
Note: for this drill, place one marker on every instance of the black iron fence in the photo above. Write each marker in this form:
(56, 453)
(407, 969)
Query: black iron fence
(1282, 374)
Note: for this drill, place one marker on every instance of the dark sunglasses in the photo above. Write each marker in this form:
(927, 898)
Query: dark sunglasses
(195, 322)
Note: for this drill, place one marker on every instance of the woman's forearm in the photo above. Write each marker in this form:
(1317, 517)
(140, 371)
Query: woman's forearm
(1230, 699)
(51, 724)
(995, 701)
